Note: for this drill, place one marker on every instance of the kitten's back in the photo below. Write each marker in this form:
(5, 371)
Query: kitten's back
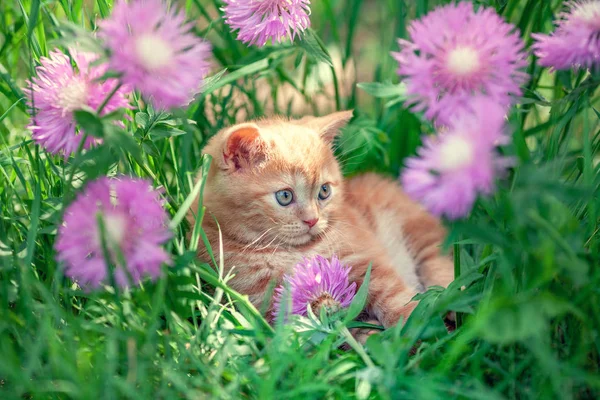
(411, 236)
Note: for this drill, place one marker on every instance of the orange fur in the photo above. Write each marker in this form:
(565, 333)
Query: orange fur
(365, 220)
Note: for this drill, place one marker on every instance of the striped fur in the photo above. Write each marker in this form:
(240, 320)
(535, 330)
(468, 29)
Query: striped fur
(366, 220)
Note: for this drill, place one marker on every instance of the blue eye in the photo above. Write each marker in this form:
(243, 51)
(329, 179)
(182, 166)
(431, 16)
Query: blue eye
(325, 191)
(284, 197)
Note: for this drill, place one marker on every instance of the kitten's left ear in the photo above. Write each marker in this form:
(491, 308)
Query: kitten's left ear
(244, 147)
(328, 126)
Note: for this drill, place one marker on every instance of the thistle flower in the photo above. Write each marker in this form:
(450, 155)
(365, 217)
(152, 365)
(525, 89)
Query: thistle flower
(156, 51)
(455, 53)
(135, 224)
(461, 162)
(261, 20)
(576, 40)
(59, 89)
(316, 281)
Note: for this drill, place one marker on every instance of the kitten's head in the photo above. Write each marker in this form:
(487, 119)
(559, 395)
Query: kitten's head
(276, 182)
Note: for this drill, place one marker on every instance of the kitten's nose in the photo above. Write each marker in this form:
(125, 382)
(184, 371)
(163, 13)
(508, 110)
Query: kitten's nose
(311, 222)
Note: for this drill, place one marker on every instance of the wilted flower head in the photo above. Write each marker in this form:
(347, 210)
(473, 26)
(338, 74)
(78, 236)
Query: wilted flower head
(451, 169)
(576, 41)
(261, 20)
(316, 281)
(135, 225)
(156, 51)
(59, 89)
(455, 53)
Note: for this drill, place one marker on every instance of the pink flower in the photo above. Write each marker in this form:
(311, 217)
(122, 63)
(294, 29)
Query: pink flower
(576, 41)
(156, 51)
(453, 168)
(455, 53)
(58, 90)
(261, 20)
(317, 282)
(135, 224)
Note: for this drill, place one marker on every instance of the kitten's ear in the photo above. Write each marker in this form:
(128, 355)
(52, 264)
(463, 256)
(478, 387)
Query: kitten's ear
(244, 147)
(328, 126)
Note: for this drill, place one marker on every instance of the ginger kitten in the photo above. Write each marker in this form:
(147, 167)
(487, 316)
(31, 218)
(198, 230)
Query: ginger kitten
(277, 192)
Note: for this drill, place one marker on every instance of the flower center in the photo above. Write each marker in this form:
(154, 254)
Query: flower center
(153, 52)
(114, 226)
(324, 300)
(463, 61)
(455, 153)
(73, 96)
(589, 13)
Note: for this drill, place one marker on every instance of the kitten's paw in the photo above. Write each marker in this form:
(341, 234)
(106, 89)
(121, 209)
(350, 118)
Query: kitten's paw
(450, 321)
(391, 317)
(451, 316)
(362, 334)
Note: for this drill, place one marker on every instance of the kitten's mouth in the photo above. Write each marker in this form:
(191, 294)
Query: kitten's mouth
(313, 234)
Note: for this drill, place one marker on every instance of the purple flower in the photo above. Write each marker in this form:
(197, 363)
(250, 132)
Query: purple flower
(135, 224)
(576, 41)
(455, 53)
(58, 90)
(261, 20)
(453, 168)
(156, 51)
(318, 282)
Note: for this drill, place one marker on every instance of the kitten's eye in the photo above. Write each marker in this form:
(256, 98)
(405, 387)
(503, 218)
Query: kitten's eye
(325, 191)
(284, 197)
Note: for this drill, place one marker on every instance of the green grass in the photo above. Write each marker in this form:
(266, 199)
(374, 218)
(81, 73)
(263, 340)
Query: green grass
(527, 258)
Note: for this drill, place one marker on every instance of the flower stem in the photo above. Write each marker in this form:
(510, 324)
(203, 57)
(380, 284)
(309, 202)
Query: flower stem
(76, 162)
(456, 275)
(360, 350)
(338, 103)
(109, 96)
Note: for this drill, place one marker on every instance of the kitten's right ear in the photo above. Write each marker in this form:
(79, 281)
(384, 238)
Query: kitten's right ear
(328, 126)
(244, 147)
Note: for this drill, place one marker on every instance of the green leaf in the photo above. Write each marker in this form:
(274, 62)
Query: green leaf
(383, 90)
(89, 122)
(361, 144)
(197, 190)
(164, 131)
(141, 118)
(117, 115)
(16, 103)
(314, 47)
(211, 82)
(360, 300)
(33, 16)
(13, 92)
(424, 322)
(74, 35)
(97, 161)
(121, 140)
(507, 320)
(246, 70)
(108, 74)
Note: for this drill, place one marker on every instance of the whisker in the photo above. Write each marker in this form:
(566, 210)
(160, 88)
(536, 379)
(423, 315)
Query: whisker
(258, 238)
(268, 244)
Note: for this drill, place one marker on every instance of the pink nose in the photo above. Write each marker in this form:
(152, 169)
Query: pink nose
(311, 222)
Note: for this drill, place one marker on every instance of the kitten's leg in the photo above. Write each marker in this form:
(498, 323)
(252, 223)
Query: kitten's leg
(362, 334)
(383, 204)
(425, 234)
(389, 297)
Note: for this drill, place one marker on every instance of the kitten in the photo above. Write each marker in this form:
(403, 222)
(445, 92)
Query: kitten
(277, 192)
